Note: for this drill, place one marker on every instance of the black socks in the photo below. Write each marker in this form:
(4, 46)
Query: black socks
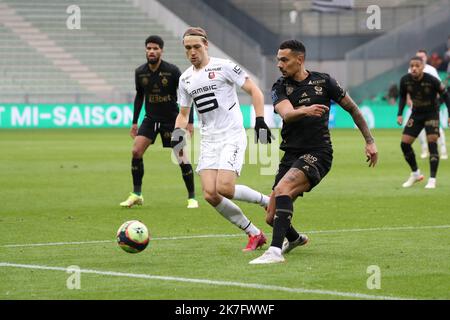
(282, 221)
(137, 171)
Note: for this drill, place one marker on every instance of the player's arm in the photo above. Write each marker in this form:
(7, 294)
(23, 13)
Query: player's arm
(183, 117)
(350, 106)
(261, 129)
(446, 97)
(401, 103)
(138, 101)
(190, 125)
(287, 112)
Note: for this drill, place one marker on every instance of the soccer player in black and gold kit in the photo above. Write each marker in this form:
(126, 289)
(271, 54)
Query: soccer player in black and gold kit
(156, 85)
(302, 98)
(423, 90)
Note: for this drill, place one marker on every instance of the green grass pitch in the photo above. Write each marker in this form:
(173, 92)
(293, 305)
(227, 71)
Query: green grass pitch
(64, 186)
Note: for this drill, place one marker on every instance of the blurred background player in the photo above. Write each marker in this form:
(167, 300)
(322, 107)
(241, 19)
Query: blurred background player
(157, 83)
(422, 136)
(423, 89)
(211, 84)
(302, 98)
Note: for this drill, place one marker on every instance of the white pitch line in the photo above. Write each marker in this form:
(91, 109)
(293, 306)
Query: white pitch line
(210, 282)
(228, 236)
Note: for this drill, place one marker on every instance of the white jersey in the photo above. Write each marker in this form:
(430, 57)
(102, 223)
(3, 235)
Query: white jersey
(213, 90)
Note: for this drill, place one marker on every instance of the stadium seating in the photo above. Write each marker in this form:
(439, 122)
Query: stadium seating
(51, 60)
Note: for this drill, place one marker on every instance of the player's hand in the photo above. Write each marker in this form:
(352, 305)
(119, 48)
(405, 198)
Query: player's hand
(178, 141)
(372, 154)
(262, 131)
(133, 131)
(190, 129)
(399, 120)
(316, 110)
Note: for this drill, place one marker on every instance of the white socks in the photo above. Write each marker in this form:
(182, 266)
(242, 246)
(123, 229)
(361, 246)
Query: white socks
(234, 214)
(416, 173)
(244, 193)
(441, 141)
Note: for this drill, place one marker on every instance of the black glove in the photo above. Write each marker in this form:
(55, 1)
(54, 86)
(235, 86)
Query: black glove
(178, 140)
(263, 133)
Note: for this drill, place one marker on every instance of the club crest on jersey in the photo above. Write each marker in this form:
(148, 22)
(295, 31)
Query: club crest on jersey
(164, 82)
(211, 75)
(289, 90)
(144, 81)
(318, 90)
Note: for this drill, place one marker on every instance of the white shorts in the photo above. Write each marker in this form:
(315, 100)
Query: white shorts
(225, 155)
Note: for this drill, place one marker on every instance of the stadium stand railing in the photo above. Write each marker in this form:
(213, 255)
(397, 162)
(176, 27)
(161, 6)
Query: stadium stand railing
(374, 66)
(276, 15)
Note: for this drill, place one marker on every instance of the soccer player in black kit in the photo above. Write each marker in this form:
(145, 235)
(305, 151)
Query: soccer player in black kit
(302, 98)
(423, 89)
(157, 84)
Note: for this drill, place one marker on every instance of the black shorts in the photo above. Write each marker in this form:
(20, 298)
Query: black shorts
(150, 129)
(314, 164)
(418, 121)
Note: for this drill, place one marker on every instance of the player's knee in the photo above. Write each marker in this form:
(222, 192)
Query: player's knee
(281, 190)
(137, 153)
(226, 190)
(212, 197)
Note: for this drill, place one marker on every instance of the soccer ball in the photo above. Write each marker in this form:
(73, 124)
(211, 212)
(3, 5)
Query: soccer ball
(133, 236)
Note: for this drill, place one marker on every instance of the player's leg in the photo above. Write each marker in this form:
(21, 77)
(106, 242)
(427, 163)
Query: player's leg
(225, 185)
(412, 129)
(231, 158)
(434, 160)
(432, 129)
(293, 237)
(146, 135)
(291, 185)
(141, 143)
(187, 173)
(410, 157)
(228, 188)
(306, 172)
(442, 144)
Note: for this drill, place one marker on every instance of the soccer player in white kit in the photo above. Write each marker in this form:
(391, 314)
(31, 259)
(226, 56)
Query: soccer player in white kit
(211, 84)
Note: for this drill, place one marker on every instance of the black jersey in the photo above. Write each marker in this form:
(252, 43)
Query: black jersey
(160, 91)
(423, 93)
(308, 133)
